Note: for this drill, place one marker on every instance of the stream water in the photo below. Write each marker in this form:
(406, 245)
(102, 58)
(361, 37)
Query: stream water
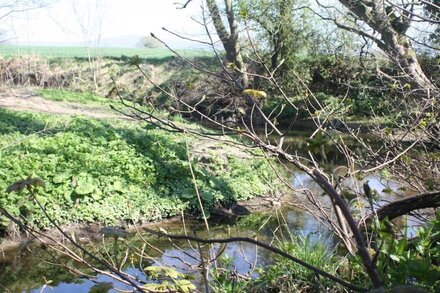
(28, 269)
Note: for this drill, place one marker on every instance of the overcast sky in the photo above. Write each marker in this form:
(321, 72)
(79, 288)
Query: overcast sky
(60, 23)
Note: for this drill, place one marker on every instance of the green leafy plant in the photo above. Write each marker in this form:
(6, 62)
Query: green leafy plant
(167, 280)
(410, 261)
(110, 171)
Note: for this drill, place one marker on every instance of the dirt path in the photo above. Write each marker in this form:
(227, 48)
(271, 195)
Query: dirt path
(21, 99)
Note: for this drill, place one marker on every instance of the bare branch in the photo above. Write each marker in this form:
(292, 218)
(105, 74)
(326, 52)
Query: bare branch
(263, 245)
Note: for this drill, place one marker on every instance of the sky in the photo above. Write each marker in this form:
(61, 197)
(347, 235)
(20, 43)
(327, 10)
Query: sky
(123, 22)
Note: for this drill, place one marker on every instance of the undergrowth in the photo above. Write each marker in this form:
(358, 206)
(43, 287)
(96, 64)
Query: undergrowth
(111, 171)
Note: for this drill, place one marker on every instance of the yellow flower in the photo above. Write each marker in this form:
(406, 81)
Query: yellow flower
(255, 93)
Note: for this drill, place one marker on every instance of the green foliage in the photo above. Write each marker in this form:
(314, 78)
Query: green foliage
(405, 261)
(103, 287)
(224, 283)
(342, 77)
(368, 105)
(339, 85)
(432, 11)
(110, 171)
(286, 276)
(70, 96)
(431, 64)
(167, 279)
(286, 37)
(284, 113)
(255, 221)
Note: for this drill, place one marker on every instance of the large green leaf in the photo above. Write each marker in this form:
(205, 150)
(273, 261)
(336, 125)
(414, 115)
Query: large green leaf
(117, 186)
(84, 186)
(62, 177)
(185, 286)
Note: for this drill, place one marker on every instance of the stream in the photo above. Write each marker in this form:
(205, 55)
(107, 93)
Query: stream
(28, 269)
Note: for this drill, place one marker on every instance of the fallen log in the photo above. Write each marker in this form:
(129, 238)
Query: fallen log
(407, 205)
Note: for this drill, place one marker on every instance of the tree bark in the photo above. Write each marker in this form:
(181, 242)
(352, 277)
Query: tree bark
(281, 35)
(393, 41)
(229, 39)
(369, 265)
(407, 205)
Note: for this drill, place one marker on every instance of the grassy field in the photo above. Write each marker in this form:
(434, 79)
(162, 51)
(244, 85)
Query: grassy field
(80, 52)
(61, 95)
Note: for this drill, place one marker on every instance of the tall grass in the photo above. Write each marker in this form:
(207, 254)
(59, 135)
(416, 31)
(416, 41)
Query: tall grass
(286, 276)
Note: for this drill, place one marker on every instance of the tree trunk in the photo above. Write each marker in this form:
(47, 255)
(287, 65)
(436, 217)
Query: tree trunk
(398, 48)
(229, 39)
(280, 35)
(234, 43)
(382, 18)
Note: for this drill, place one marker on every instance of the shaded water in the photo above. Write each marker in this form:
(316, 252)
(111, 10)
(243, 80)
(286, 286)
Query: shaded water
(26, 270)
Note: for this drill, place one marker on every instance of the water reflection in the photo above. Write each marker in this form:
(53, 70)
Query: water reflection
(27, 272)
(382, 187)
